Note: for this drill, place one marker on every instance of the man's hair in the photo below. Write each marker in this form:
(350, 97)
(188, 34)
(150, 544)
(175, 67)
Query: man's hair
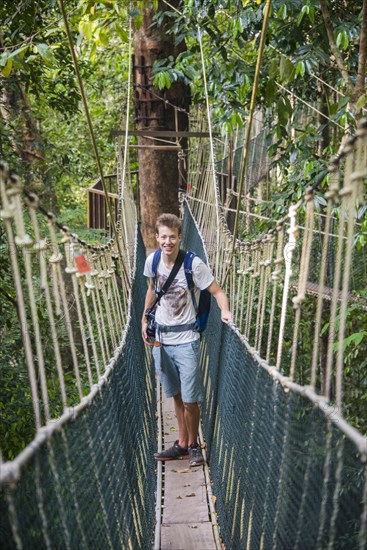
(168, 220)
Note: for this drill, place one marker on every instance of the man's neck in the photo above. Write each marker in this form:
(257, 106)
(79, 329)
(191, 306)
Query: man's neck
(169, 261)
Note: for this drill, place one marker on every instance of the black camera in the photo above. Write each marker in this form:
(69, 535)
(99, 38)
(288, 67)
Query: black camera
(150, 316)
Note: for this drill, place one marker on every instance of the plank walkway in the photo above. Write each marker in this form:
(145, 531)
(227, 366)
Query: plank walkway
(186, 523)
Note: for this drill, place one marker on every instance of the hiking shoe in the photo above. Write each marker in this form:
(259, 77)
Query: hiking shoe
(195, 455)
(176, 452)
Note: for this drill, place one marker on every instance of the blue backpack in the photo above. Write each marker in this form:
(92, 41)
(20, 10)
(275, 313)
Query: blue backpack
(203, 307)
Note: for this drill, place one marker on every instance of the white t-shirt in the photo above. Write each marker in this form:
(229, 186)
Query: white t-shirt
(176, 307)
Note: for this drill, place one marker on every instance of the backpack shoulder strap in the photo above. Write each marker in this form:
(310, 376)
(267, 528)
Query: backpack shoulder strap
(156, 258)
(189, 257)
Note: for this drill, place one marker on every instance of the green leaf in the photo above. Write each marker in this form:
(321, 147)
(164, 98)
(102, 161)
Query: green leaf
(282, 12)
(270, 91)
(138, 21)
(286, 69)
(45, 53)
(6, 70)
(19, 52)
(342, 40)
(300, 68)
(3, 59)
(162, 80)
(122, 34)
(167, 81)
(87, 28)
(361, 101)
(103, 38)
(274, 68)
(355, 338)
(302, 13)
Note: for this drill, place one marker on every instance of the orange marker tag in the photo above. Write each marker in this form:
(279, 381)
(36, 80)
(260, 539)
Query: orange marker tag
(81, 264)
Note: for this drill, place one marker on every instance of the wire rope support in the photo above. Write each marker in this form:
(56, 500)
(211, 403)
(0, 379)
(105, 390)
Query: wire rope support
(249, 125)
(158, 503)
(91, 131)
(211, 138)
(125, 157)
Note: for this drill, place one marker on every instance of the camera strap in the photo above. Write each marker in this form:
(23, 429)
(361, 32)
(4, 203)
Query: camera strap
(178, 263)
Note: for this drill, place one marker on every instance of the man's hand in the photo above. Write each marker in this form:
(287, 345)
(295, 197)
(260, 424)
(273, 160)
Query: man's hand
(222, 302)
(144, 325)
(226, 316)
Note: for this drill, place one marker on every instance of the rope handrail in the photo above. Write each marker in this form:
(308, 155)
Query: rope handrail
(99, 294)
(268, 268)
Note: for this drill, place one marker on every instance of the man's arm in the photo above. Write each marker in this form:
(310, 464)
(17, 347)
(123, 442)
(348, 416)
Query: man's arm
(222, 302)
(150, 299)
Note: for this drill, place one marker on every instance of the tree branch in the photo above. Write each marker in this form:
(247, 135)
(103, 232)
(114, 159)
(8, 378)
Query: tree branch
(9, 298)
(362, 55)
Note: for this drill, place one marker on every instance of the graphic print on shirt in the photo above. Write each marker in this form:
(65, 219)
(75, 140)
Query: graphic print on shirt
(176, 298)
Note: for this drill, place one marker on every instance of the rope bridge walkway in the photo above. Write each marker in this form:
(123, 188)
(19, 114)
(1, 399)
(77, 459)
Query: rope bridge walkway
(288, 470)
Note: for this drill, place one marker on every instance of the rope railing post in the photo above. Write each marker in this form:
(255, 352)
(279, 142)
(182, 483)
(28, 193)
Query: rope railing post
(302, 277)
(288, 256)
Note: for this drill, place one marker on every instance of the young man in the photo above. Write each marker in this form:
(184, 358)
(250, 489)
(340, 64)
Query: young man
(176, 353)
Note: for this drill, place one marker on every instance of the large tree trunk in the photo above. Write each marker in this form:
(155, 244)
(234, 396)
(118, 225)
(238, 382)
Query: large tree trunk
(159, 172)
(17, 114)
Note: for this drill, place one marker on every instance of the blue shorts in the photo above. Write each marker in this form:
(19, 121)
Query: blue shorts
(179, 372)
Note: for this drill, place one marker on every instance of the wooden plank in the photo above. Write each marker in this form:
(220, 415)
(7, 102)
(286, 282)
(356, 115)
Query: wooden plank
(185, 498)
(163, 133)
(191, 536)
(158, 147)
(170, 425)
(168, 405)
(185, 515)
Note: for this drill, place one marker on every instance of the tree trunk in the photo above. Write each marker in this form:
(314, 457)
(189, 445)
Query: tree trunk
(15, 106)
(159, 172)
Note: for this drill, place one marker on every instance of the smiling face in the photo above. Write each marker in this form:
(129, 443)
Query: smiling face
(169, 241)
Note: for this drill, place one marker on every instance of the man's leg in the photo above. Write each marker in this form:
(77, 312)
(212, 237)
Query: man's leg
(192, 419)
(183, 434)
(171, 384)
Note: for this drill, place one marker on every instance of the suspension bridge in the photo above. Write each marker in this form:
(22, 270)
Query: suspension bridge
(287, 469)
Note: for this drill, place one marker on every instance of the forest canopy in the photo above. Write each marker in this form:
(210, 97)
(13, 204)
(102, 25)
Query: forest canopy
(315, 55)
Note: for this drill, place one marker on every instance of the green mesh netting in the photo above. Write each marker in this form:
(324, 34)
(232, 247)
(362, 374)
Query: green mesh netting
(274, 458)
(93, 485)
